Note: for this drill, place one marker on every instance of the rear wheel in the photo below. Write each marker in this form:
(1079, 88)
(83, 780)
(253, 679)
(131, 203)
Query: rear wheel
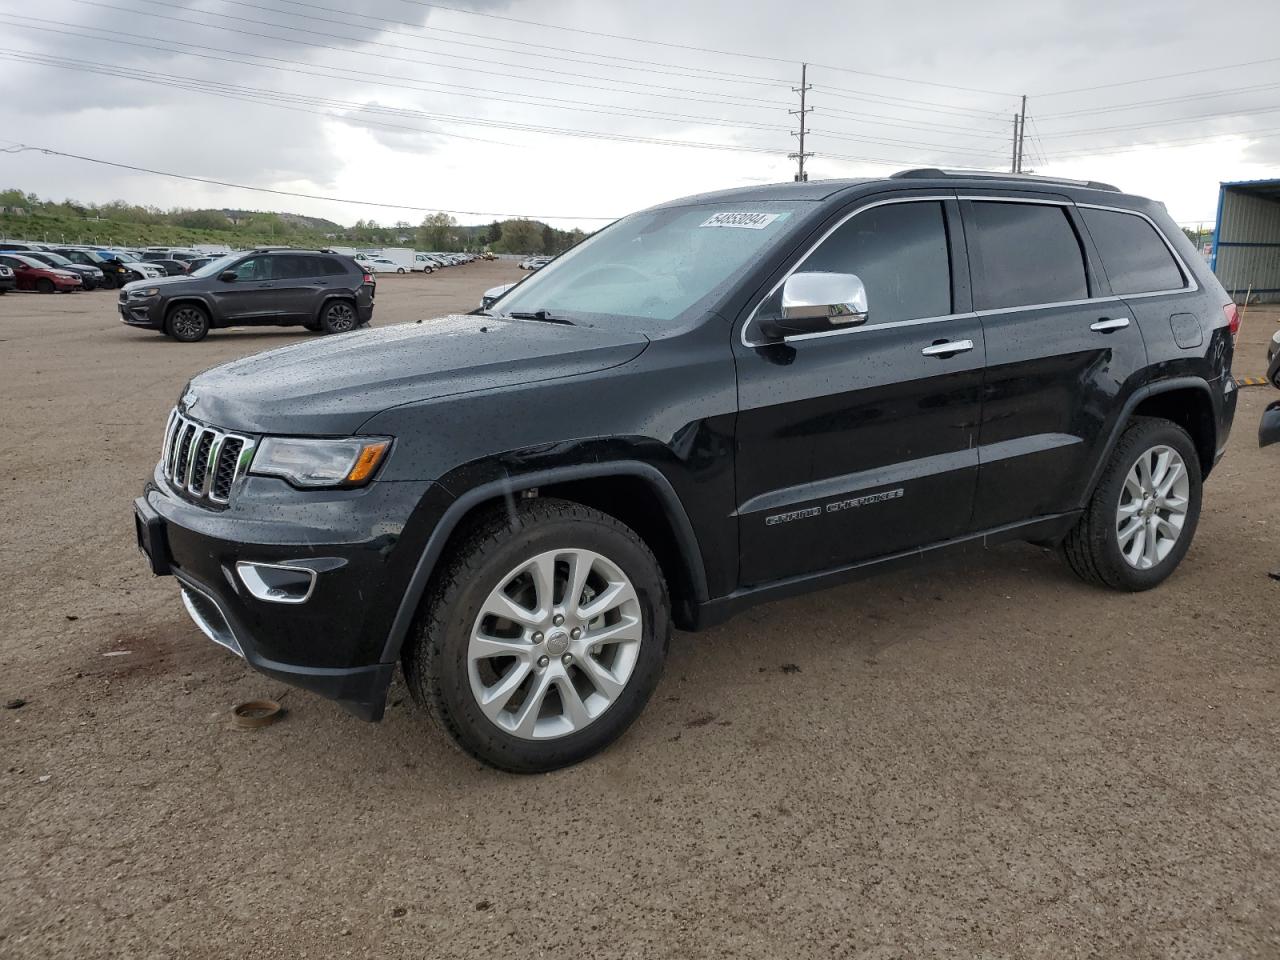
(45, 285)
(187, 323)
(1142, 517)
(400, 270)
(338, 316)
(542, 638)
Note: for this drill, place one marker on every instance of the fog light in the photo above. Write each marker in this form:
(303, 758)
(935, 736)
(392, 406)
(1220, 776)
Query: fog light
(277, 583)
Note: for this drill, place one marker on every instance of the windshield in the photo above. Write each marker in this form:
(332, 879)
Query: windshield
(654, 265)
(214, 267)
(55, 259)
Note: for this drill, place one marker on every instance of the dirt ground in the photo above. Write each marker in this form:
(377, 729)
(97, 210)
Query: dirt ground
(982, 758)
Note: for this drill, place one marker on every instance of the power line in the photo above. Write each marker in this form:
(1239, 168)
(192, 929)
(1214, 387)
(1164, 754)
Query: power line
(270, 98)
(697, 49)
(24, 148)
(393, 46)
(1179, 141)
(1186, 98)
(524, 44)
(928, 106)
(1160, 123)
(595, 85)
(1166, 76)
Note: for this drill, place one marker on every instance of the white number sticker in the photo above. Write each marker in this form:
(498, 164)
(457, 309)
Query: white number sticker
(747, 221)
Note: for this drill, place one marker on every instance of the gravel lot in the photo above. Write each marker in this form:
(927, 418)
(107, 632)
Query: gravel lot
(978, 758)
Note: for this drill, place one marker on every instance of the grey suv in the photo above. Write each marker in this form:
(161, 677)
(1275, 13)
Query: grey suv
(317, 289)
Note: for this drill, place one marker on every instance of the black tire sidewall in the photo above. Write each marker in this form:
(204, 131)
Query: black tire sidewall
(1137, 440)
(45, 285)
(475, 731)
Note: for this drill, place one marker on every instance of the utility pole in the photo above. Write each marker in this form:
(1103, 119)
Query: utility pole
(1022, 134)
(802, 113)
(1013, 162)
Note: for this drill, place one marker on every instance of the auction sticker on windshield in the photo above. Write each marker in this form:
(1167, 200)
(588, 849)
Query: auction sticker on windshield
(738, 218)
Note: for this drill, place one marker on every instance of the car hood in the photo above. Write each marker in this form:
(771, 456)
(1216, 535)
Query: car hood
(154, 282)
(332, 385)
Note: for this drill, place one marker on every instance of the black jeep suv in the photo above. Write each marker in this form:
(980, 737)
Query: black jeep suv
(721, 400)
(317, 289)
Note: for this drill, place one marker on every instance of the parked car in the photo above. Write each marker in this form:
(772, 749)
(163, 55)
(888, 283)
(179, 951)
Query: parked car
(199, 262)
(319, 290)
(1269, 427)
(384, 265)
(491, 295)
(114, 273)
(534, 263)
(31, 274)
(424, 263)
(7, 280)
(90, 277)
(172, 268)
(715, 402)
(1273, 347)
(21, 247)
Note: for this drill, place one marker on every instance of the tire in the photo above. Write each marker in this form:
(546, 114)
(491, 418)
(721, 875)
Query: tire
(187, 323)
(45, 285)
(312, 325)
(446, 675)
(1112, 543)
(338, 316)
(401, 270)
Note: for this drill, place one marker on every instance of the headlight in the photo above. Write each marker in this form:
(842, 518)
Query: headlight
(149, 292)
(320, 463)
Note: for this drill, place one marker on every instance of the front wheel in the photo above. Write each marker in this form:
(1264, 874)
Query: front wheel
(338, 316)
(1142, 516)
(187, 323)
(542, 638)
(400, 270)
(45, 285)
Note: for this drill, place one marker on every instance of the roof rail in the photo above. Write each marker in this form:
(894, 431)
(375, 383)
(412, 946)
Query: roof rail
(936, 173)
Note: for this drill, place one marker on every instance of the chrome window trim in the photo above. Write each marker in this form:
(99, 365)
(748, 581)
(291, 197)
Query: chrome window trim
(742, 334)
(1191, 287)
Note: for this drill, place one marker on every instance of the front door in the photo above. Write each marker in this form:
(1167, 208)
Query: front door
(861, 443)
(246, 298)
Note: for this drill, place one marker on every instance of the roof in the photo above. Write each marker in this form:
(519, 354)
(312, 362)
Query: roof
(922, 176)
(1260, 188)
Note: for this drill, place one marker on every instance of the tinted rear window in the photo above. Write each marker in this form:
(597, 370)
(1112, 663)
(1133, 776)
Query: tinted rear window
(1029, 254)
(328, 267)
(1134, 256)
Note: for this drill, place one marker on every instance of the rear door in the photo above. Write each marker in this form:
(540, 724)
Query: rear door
(1060, 354)
(861, 443)
(297, 283)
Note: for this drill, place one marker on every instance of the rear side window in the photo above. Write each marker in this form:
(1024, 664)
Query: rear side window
(899, 251)
(328, 267)
(1028, 254)
(1134, 256)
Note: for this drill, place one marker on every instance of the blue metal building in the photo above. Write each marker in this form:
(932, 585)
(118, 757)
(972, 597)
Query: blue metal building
(1246, 243)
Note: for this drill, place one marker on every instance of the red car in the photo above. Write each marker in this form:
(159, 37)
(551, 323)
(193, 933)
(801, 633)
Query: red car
(34, 275)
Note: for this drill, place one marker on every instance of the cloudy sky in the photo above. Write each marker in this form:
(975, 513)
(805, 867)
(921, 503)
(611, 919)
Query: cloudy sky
(574, 109)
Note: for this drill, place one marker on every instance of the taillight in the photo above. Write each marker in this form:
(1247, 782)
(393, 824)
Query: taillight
(368, 278)
(1233, 318)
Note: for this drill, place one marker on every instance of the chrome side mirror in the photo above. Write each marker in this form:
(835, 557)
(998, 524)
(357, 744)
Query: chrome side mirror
(818, 302)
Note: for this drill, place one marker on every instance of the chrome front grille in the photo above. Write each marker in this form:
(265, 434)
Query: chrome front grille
(203, 462)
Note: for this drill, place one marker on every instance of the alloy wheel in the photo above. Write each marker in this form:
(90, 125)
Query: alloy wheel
(187, 322)
(554, 644)
(341, 318)
(1153, 507)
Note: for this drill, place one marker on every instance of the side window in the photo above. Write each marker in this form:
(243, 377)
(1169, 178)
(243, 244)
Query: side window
(1029, 254)
(330, 267)
(291, 267)
(1134, 256)
(255, 268)
(900, 253)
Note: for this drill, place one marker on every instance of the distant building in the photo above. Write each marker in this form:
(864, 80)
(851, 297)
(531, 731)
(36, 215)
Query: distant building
(1246, 243)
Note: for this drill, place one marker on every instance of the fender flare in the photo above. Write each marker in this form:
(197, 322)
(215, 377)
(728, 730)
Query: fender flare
(508, 487)
(191, 298)
(1126, 414)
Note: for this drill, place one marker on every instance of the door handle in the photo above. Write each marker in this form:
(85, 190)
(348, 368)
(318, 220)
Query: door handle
(947, 347)
(1106, 325)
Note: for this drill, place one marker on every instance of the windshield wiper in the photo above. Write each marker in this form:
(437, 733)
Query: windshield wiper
(542, 315)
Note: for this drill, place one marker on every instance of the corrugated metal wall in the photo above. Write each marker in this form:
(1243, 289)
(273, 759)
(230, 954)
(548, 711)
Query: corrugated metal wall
(1248, 243)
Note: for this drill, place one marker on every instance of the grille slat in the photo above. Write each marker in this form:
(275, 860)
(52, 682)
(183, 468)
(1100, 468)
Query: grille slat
(202, 462)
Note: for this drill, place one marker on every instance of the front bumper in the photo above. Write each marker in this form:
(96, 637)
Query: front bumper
(361, 544)
(141, 313)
